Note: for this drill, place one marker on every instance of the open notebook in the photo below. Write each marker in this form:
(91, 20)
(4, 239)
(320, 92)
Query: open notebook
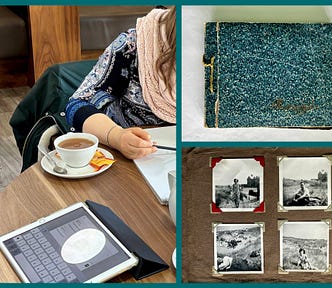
(155, 167)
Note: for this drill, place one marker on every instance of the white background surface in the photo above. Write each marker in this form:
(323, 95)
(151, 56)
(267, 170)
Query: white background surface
(193, 19)
(156, 166)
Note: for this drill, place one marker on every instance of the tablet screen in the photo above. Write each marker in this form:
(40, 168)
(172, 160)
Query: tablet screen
(71, 247)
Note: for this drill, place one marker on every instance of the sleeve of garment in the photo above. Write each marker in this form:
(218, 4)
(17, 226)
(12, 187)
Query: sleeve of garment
(110, 74)
(77, 110)
(111, 70)
(81, 115)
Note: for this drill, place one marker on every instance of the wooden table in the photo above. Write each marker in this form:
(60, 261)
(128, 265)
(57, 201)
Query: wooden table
(35, 194)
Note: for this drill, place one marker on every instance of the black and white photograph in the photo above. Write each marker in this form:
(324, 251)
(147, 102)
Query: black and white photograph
(304, 246)
(304, 183)
(238, 248)
(237, 184)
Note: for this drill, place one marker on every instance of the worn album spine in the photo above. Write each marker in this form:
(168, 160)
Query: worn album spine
(211, 72)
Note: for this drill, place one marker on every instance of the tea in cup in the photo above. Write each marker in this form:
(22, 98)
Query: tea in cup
(76, 149)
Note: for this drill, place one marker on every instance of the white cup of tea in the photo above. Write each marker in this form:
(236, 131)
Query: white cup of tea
(76, 149)
(172, 196)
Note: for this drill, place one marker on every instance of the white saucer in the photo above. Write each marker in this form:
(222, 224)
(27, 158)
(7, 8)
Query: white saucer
(174, 258)
(74, 173)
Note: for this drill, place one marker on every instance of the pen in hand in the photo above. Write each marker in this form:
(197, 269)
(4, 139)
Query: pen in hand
(165, 147)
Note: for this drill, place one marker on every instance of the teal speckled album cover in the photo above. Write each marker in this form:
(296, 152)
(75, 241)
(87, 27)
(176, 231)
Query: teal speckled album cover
(268, 75)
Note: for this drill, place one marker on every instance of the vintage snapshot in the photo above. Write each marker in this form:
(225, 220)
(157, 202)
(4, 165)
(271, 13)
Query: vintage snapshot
(304, 246)
(237, 184)
(238, 248)
(304, 183)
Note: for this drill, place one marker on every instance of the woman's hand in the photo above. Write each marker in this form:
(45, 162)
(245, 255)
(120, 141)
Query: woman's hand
(133, 143)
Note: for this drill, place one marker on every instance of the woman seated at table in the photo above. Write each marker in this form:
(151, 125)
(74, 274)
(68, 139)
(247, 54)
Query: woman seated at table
(132, 85)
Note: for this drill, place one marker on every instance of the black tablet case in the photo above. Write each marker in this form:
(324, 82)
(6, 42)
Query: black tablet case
(149, 262)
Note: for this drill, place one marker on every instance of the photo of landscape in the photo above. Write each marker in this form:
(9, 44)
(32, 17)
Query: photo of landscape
(305, 183)
(237, 184)
(304, 246)
(238, 248)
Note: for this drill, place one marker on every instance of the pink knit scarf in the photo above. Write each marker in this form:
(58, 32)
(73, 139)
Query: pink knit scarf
(150, 40)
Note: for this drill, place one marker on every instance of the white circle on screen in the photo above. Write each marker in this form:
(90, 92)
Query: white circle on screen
(83, 245)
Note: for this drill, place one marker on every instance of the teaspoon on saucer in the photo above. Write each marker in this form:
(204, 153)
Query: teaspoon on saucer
(56, 167)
